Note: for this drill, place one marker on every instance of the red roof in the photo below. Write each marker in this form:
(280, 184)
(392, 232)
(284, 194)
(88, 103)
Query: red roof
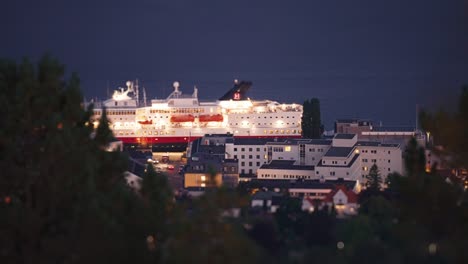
(352, 197)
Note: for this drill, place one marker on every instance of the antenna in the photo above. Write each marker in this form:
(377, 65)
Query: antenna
(144, 95)
(108, 89)
(137, 92)
(417, 121)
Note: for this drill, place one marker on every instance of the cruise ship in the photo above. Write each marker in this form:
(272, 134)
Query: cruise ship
(181, 118)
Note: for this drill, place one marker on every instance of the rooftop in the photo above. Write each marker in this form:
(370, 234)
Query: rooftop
(305, 141)
(301, 184)
(345, 136)
(393, 129)
(285, 165)
(339, 152)
(376, 144)
(251, 141)
(320, 164)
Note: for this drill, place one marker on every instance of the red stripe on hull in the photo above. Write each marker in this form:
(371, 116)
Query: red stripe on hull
(178, 140)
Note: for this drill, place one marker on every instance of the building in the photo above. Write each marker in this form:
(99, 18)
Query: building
(250, 153)
(207, 165)
(343, 199)
(352, 126)
(285, 170)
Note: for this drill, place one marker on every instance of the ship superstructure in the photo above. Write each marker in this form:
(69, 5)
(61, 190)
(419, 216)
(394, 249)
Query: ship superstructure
(181, 118)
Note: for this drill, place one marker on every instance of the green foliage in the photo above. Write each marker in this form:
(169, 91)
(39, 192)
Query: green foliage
(449, 132)
(311, 121)
(414, 159)
(374, 180)
(104, 134)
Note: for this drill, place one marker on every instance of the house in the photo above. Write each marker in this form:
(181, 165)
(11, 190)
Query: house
(267, 200)
(344, 200)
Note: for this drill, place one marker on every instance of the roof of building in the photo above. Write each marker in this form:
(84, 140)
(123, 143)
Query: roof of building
(137, 168)
(265, 195)
(252, 141)
(352, 197)
(300, 141)
(320, 163)
(339, 152)
(349, 120)
(393, 129)
(345, 136)
(285, 165)
(301, 184)
(376, 144)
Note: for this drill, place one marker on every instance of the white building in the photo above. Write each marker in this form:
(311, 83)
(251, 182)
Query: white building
(314, 159)
(251, 153)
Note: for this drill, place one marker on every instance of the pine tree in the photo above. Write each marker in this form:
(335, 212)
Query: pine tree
(374, 180)
(65, 191)
(311, 121)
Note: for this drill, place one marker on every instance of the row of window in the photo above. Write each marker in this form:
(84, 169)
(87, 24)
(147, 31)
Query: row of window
(116, 112)
(373, 151)
(144, 133)
(250, 163)
(250, 149)
(333, 162)
(259, 124)
(241, 117)
(373, 160)
(313, 150)
(365, 168)
(250, 156)
(177, 110)
(285, 176)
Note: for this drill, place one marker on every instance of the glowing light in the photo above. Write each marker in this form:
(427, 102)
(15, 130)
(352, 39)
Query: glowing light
(203, 178)
(432, 248)
(340, 245)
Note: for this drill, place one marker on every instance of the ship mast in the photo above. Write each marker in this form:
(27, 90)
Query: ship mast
(144, 96)
(137, 92)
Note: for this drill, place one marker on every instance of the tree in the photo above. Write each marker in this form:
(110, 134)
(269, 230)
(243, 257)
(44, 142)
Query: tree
(374, 180)
(449, 132)
(68, 196)
(311, 122)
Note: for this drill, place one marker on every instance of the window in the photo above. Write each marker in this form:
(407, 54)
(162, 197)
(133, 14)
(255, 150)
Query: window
(235, 156)
(242, 163)
(373, 160)
(235, 149)
(242, 156)
(389, 153)
(258, 156)
(250, 163)
(250, 149)
(242, 149)
(332, 173)
(287, 148)
(388, 161)
(258, 149)
(258, 163)
(250, 156)
(364, 160)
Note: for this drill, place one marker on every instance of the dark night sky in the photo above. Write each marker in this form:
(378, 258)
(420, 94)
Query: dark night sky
(368, 59)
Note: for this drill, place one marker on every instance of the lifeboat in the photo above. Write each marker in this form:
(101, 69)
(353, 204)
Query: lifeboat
(182, 118)
(146, 122)
(211, 118)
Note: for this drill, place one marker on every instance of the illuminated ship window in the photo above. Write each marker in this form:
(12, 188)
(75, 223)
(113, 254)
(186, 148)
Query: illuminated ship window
(155, 133)
(149, 132)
